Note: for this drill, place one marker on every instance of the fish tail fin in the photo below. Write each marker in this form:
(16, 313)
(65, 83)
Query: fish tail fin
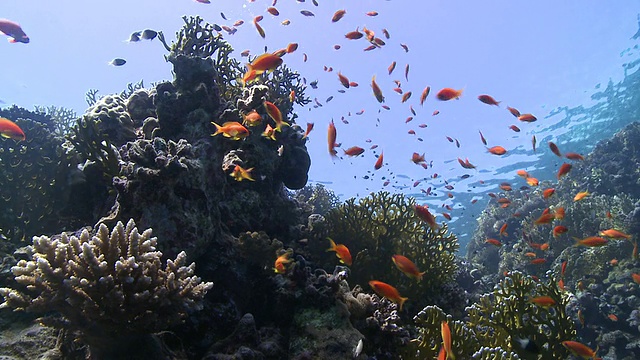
(420, 275)
(576, 240)
(333, 245)
(401, 302)
(218, 129)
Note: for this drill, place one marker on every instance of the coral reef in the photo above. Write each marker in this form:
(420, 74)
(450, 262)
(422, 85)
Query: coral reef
(382, 225)
(62, 118)
(316, 199)
(110, 286)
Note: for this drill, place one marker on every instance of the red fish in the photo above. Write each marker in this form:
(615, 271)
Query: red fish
(331, 138)
(489, 100)
(275, 114)
(376, 90)
(231, 129)
(13, 31)
(338, 15)
(406, 96)
(445, 332)
(239, 173)
(342, 252)
(514, 128)
(448, 94)
(497, 150)
(554, 148)
(423, 213)
(343, 80)
(388, 291)
(265, 62)
(391, 67)
(424, 94)
(527, 118)
(579, 349)
(309, 128)
(9, 129)
(273, 11)
(544, 301)
(548, 192)
(614, 234)
(564, 170)
(513, 111)
(591, 241)
(378, 163)
(279, 266)
(494, 242)
(573, 156)
(407, 267)
(354, 151)
(354, 35)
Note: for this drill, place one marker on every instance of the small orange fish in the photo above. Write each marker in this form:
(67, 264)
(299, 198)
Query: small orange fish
(9, 130)
(559, 230)
(564, 170)
(378, 163)
(563, 268)
(342, 252)
(231, 129)
(560, 213)
(548, 192)
(309, 128)
(292, 47)
(423, 213)
(448, 94)
(532, 181)
(554, 148)
(376, 90)
(544, 247)
(489, 100)
(406, 96)
(527, 118)
(331, 138)
(424, 94)
(573, 156)
(265, 63)
(544, 219)
(372, 13)
(259, 29)
(497, 150)
(579, 349)
(544, 301)
(353, 151)
(505, 186)
(417, 158)
(275, 114)
(503, 230)
(273, 11)
(538, 261)
(614, 234)
(338, 15)
(391, 67)
(530, 254)
(239, 174)
(407, 267)
(354, 35)
(283, 259)
(445, 332)
(388, 291)
(581, 195)
(513, 111)
(591, 241)
(523, 173)
(612, 317)
(613, 262)
(514, 128)
(494, 242)
(343, 80)
(252, 119)
(636, 277)
(466, 164)
(561, 285)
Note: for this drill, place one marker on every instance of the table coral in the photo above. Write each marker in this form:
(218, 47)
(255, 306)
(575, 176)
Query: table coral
(110, 286)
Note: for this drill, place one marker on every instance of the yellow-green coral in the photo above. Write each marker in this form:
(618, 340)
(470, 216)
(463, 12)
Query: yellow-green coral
(382, 225)
(106, 285)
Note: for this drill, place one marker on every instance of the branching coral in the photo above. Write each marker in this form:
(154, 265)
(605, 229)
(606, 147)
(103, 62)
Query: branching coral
(109, 286)
(318, 198)
(63, 118)
(93, 145)
(382, 225)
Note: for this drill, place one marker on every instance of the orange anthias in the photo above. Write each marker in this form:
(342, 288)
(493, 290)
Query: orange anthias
(581, 195)
(580, 349)
(614, 234)
(275, 114)
(231, 129)
(407, 267)
(283, 259)
(445, 331)
(564, 170)
(448, 94)
(544, 301)
(265, 62)
(388, 291)
(497, 150)
(424, 215)
(376, 90)
(342, 252)
(239, 173)
(379, 162)
(591, 241)
(9, 129)
(332, 134)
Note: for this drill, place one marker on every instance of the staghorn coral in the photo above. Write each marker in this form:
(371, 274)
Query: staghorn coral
(385, 224)
(109, 286)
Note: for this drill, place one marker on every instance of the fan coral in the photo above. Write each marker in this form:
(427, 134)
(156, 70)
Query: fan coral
(109, 286)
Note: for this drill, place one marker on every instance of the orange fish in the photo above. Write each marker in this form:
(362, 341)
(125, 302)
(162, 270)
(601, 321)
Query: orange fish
(378, 163)
(273, 11)
(445, 331)
(283, 259)
(503, 230)
(573, 156)
(309, 128)
(342, 252)
(292, 47)
(391, 67)
(554, 148)
(269, 132)
(417, 158)
(423, 213)
(514, 128)
(9, 130)
(231, 129)
(448, 94)
(580, 349)
(591, 241)
(388, 291)
(544, 301)
(489, 100)
(636, 277)
(275, 114)
(354, 151)
(613, 262)
(406, 96)
(353, 35)
(424, 94)
(239, 174)
(523, 173)
(532, 181)
(564, 170)
(505, 186)
(259, 29)
(544, 219)
(252, 119)
(559, 230)
(466, 164)
(527, 118)
(563, 268)
(561, 284)
(407, 267)
(376, 90)
(581, 195)
(560, 213)
(538, 261)
(513, 111)
(494, 242)
(530, 254)
(497, 150)
(614, 234)
(548, 192)
(265, 63)
(331, 138)
(338, 15)
(343, 80)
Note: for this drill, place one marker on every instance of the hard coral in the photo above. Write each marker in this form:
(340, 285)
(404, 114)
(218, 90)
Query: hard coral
(109, 286)
(382, 225)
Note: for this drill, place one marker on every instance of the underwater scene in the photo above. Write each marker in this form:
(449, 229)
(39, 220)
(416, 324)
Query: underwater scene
(319, 179)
